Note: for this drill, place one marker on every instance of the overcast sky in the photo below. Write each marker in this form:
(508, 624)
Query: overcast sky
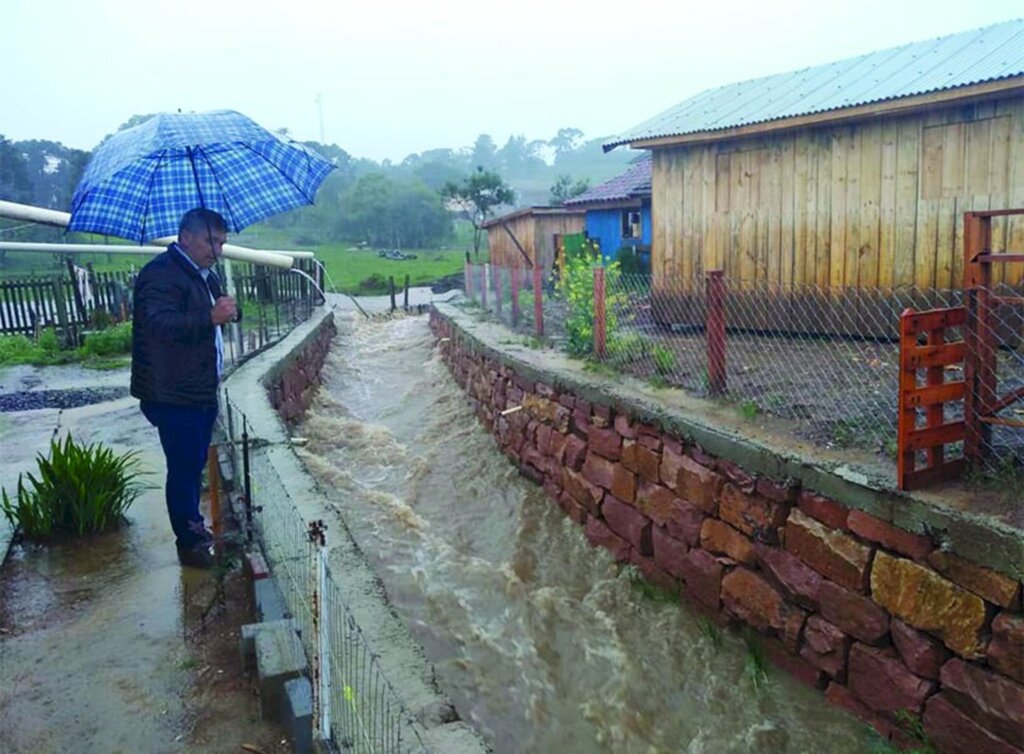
(401, 77)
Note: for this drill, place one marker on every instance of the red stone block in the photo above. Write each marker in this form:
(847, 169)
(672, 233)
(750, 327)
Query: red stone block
(891, 537)
(704, 459)
(686, 523)
(919, 651)
(583, 492)
(669, 552)
(598, 470)
(628, 523)
(545, 391)
(568, 400)
(573, 509)
(800, 669)
(883, 683)
(658, 503)
(753, 600)
(652, 573)
(800, 582)
(699, 485)
(780, 492)
(556, 446)
(601, 416)
(543, 438)
(651, 442)
(552, 488)
(624, 427)
(825, 646)
(584, 406)
(754, 515)
(956, 733)
(580, 422)
(853, 613)
(991, 699)
(827, 511)
(736, 475)
(668, 442)
(703, 577)
(575, 452)
(828, 551)
(624, 484)
(641, 460)
(842, 697)
(534, 475)
(1006, 650)
(605, 442)
(600, 535)
(990, 585)
(718, 537)
(671, 463)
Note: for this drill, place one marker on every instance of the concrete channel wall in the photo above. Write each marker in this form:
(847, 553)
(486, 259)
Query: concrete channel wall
(886, 603)
(281, 383)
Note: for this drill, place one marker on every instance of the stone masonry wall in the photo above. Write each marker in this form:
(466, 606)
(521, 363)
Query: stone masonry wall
(293, 385)
(878, 618)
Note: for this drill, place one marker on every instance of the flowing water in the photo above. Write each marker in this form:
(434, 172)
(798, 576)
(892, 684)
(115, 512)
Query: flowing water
(541, 641)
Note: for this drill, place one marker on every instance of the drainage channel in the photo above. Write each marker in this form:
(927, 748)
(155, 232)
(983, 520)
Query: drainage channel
(542, 642)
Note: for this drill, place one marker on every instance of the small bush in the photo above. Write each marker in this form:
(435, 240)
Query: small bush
(664, 360)
(16, 349)
(625, 349)
(376, 283)
(110, 342)
(80, 489)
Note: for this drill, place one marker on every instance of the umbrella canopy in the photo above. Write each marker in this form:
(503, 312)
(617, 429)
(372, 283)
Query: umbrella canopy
(143, 179)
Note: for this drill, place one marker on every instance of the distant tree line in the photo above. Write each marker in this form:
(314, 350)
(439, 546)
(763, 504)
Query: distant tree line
(382, 204)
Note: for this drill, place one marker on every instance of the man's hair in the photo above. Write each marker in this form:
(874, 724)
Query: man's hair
(199, 219)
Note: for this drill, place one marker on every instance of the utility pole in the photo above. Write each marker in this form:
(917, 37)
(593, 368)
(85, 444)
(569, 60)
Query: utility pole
(320, 107)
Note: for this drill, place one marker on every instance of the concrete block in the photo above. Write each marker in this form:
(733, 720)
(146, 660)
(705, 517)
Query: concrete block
(298, 714)
(269, 601)
(256, 567)
(248, 643)
(279, 659)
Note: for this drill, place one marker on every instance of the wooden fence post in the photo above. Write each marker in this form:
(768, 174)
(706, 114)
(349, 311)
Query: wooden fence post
(715, 331)
(406, 301)
(391, 285)
(468, 278)
(600, 334)
(538, 300)
(514, 285)
(483, 284)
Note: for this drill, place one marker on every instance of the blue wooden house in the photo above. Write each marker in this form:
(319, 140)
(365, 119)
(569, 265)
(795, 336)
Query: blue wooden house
(618, 211)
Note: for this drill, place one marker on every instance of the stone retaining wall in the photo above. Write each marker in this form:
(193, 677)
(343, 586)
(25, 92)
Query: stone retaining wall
(293, 383)
(882, 620)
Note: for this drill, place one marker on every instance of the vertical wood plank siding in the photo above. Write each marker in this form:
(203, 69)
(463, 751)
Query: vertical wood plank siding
(535, 234)
(872, 205)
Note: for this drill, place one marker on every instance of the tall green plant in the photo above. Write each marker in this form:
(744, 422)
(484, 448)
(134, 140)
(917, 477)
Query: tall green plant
(577, 287)
(80, 489)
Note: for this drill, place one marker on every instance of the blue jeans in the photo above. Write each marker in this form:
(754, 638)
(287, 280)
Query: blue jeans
(185, 434)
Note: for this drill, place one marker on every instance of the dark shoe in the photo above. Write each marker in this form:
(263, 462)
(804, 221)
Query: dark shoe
(199, 556)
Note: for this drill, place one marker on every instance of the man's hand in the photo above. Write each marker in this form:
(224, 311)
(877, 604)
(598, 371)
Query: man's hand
(224, 310)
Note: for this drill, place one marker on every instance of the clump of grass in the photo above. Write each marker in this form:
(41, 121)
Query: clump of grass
(749, 410)
(658, 382)
(755, 667)
(710, 632)
(80, 489)
(664, 360)
(626, 349)
(651, 591)
(110, 342)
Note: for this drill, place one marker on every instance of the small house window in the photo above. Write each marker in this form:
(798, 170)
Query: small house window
(630, 224)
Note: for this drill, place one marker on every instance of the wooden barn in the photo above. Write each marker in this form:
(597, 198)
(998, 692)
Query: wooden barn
(854, 174)
(521, 237)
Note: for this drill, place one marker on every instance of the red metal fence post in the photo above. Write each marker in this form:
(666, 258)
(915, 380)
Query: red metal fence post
(600, 336)
(538, 300)
(483, 285)
(979, 361)
(715, 331)
(496, 272)
(469, 280)
(514, 285)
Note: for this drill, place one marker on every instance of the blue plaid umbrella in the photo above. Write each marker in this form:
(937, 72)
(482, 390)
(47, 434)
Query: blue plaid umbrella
(143, 179)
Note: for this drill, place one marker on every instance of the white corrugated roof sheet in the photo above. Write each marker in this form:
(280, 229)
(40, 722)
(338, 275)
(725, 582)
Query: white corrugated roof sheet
(970, 57)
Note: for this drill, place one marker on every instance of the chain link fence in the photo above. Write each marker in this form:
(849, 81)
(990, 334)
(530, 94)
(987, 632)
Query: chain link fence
(825, 362)
(357, 709)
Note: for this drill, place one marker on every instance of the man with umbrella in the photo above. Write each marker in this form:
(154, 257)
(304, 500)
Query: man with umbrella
(202, 174)
(177, 359)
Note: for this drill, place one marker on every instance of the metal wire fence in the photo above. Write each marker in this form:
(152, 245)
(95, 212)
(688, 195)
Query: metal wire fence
(357, 709)
(826, 362)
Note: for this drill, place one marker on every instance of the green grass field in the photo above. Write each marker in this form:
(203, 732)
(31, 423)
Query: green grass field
(347, 265)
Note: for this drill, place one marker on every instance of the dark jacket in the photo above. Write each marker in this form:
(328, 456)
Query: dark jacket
(174, 351)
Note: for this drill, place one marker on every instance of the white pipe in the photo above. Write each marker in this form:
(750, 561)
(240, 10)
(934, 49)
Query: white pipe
(59, 219)
(255, 256)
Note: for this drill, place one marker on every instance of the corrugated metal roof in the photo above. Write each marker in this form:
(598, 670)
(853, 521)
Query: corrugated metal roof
(636, 180)
(970, 57)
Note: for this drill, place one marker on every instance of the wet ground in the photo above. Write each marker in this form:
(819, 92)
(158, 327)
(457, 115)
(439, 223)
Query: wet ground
(543, 643)
(107, 644)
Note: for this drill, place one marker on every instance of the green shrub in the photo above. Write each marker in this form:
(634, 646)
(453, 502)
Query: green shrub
(375, 283)
(629, 261)
(578, 289)
(110, 342)
(664, 360)
(16, 349)
(79, 490)
(625, 349)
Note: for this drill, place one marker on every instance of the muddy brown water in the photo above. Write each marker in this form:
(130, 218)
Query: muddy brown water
(541, 641)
